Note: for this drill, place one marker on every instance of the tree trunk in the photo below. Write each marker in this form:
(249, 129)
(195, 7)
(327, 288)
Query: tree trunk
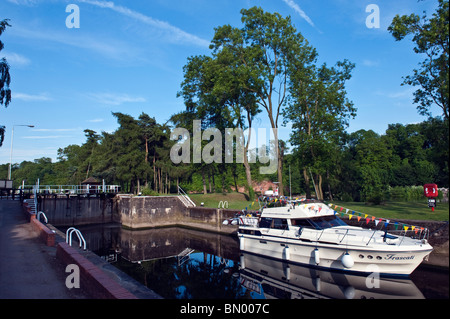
(204, 183)
(209, 181)
(248, 174)
(329, 186)
(307, 185)
(155, 188)
(319, 188)
(214, 182)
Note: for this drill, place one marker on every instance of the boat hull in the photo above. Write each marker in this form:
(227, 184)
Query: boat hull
(396, 261)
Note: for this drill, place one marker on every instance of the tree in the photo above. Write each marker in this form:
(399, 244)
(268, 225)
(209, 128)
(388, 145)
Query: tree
(5, 79)
(264, 48)
(372, 164)
(213, 88)
(319, 112)
(431, 37)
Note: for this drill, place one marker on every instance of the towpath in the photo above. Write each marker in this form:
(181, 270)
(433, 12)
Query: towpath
(28, 268)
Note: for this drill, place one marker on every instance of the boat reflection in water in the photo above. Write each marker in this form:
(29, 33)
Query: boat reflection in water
(182, 263)
(273, 279)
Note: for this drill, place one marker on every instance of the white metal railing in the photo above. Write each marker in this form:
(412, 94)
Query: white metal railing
(39, 214)
(184, 255)
(35, 201)
(71, 189)
(359, 235)
(188, 201)
(81, 239)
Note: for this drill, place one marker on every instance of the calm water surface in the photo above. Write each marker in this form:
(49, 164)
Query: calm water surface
(179, 263)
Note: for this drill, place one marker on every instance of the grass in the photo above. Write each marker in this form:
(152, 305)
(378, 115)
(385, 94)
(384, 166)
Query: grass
(401, 210)
(235, 200)
(394, 210)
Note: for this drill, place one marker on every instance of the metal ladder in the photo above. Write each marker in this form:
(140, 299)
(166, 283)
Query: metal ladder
(81, 239)
(184, 256)
(185, 199)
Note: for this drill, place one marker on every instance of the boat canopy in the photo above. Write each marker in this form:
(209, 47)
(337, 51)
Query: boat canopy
(298, 210)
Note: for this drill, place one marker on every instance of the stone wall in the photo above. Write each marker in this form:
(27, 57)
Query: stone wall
(148, 212)
(132, 212)
(161, 211)
(76, 210)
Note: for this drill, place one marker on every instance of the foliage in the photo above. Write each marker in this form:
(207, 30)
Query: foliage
(264, 49)
(267, 67)
(319, 113)
(5, 79)
(431, 37)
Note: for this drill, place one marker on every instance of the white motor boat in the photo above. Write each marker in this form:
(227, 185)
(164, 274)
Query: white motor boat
(276, 279)
(312, 234)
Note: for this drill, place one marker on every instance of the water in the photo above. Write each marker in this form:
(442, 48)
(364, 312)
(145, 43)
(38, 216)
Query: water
(181, 263)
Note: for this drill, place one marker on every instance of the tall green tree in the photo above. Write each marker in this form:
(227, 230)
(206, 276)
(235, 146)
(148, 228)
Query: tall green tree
(264, 47)
(5, 79)
(319, 111)
(431, 37)
(372, 163)
(213, 89)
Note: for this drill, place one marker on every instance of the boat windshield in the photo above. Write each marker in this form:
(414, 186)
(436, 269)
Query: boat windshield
(319, 223)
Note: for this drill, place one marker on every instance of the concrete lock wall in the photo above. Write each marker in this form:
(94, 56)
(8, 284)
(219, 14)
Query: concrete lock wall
(132, 212)
(150, 212)
(77, 210)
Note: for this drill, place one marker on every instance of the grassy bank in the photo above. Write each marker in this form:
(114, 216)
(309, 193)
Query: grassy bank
(401, 210)
(235, 200)
(395, 210)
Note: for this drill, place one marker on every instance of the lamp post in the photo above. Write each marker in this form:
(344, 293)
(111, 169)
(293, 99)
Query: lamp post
(10, 155)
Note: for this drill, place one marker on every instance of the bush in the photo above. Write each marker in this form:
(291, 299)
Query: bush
(406, 193)
(148, 192)
(346, 197)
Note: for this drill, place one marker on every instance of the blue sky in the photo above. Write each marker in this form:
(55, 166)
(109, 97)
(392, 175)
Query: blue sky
(127, 56)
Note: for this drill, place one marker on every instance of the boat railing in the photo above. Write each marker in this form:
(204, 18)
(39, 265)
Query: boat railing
(395, 237)
(248, 221)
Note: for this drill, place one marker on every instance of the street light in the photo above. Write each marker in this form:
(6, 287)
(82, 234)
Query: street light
(10, 155)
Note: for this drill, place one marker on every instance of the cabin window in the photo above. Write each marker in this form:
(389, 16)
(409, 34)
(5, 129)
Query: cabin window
(319, 223)
(265, 222)
(275, 223)
(327, 222)
(303, 223)
(279, 223)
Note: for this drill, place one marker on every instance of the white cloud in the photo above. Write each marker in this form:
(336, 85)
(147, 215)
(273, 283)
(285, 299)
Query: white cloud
(403, 94)
(95, 120)
(174, 33)
(370, 63)
(296, 8)
(54, 129)
(40, 137)
(31, 97)
(24, 2)
(15, 59)
(115, 99)
(112, 49)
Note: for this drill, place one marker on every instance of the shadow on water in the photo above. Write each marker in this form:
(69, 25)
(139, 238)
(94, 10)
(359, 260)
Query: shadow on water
(180, 263)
